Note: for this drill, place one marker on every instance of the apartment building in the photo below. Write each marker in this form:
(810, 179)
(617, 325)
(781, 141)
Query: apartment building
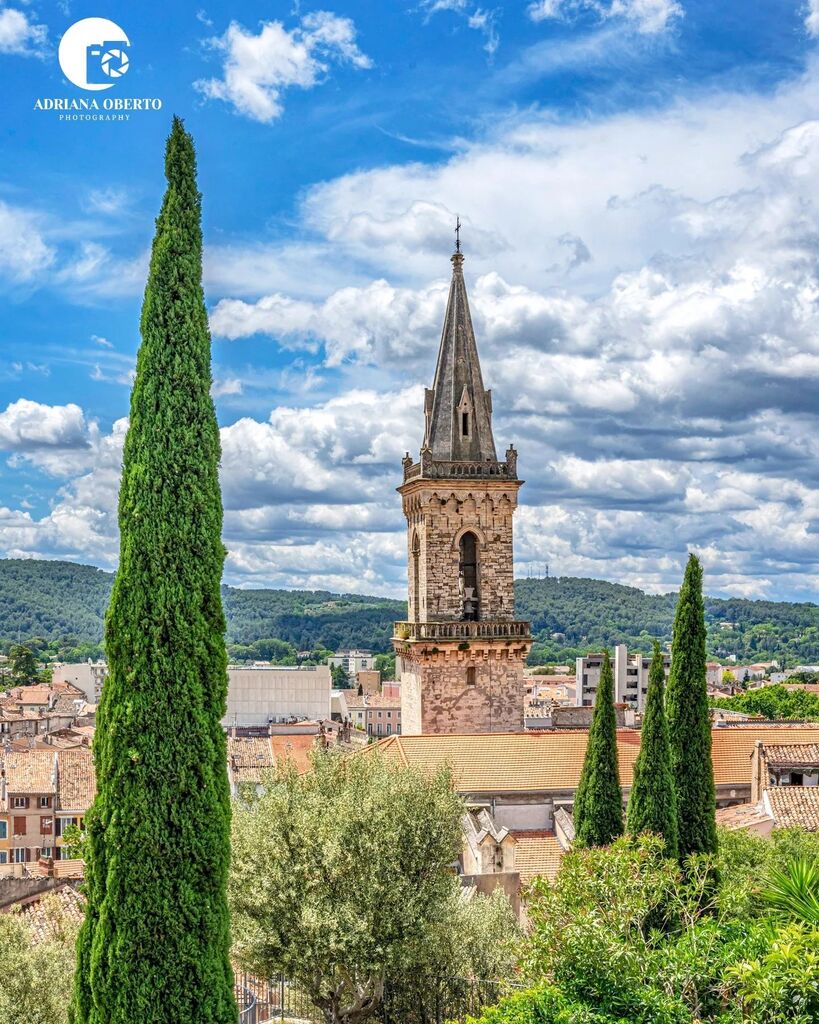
(630, 677)
(353, 661)
(41, 792)
(376, 714)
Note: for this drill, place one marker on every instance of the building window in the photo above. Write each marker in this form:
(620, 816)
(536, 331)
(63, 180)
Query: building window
(45, 801)
(469, 575)
(416, 578)
(389, 729)
(20, 856)
(46, 826)
(46, 852)
(4, 857)
(379, 714)
(465, 424)
(470, 676)
(19, 801)
(4, 830)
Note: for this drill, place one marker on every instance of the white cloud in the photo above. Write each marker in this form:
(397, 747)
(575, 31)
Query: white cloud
(24, 252)
(26, 426)
(20, 35)
(481, 19)
(812, 17)
(259, 68)
(648, 16)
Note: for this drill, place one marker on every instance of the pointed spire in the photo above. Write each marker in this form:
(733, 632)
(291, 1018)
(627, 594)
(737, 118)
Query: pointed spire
(458, 409)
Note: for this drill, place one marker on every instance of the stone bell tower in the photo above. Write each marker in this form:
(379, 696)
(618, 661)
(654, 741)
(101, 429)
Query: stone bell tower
(460, 656)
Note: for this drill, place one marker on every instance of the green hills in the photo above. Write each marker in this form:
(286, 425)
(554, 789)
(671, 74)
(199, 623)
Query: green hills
(63, 604)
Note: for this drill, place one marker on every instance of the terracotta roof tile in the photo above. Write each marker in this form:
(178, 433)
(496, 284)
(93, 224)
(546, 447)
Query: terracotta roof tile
(794, 806)
(42, 915)
(792, 753)
(537, 854)
(249, 756)
(78, 780)
(742, 816)
(29, 771)
(548, 760)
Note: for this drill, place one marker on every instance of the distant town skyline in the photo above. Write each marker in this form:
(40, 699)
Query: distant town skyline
(636, 183)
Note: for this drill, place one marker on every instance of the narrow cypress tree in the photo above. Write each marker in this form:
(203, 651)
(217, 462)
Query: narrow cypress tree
(598, 805)
(652, 805)
(154, 945)
(689, 722)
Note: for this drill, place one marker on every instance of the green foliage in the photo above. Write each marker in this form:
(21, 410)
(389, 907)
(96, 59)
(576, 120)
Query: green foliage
(341, 880)
(780, 985)
(37, 976)
(793, 890)
(154, 946)
(589, 615)
(689, 724)
(24, 668)
(341, 677)
(542, 1005)
(598, 805)
(626, 934)
(652, 803)
(385, 663)
(773, 702)
(65, 604)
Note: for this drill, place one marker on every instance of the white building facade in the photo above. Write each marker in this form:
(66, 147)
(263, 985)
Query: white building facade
(274, 694)
(630, 677)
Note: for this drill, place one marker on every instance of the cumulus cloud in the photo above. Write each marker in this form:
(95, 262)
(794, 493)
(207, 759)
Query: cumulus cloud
(647, 16)
(20, 35)
(27, 426)
(258, 68)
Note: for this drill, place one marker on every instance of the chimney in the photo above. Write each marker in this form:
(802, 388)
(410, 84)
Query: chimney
(758, 783)
(3, 787)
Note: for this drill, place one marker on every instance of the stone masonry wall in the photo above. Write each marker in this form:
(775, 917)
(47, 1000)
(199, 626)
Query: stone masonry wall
(439, 512)
(435, 695)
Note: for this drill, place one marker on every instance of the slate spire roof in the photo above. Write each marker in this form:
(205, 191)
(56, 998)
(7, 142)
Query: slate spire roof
(458, 409)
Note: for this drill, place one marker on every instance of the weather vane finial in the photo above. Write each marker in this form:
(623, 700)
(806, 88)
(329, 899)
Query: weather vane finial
(457, 233)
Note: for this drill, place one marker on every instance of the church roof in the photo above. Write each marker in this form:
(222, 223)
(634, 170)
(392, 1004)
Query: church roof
(458, 409)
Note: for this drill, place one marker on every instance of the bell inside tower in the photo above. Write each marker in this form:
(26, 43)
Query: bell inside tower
(468, 576)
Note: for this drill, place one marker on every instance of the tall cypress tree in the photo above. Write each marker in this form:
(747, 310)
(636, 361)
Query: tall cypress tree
(689, 722)
(154, 946)
(598, 804)
(652, 805)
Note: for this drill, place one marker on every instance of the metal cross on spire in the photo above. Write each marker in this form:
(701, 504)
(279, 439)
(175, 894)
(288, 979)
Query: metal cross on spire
(457, 233)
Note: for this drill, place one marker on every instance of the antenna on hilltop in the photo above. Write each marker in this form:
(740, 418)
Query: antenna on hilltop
(457, 233)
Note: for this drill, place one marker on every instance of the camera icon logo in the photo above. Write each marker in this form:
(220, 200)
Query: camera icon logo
(106, 60)
(94, 54)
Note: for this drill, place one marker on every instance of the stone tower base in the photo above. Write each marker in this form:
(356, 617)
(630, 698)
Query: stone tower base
(466, 686)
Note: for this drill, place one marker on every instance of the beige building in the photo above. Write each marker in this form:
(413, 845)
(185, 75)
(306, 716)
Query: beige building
(259, 696)
(375, 714)
(460, 656)
(87, 676)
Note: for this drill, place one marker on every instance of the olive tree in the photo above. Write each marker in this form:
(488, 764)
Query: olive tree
(342, 880)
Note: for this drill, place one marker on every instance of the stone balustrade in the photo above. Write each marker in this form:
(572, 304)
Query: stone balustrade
(482, 629)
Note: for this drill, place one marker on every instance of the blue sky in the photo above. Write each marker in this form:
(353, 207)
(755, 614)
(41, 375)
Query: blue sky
(639, 186)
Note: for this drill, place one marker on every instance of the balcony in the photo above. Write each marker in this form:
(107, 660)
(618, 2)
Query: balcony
(483, 629)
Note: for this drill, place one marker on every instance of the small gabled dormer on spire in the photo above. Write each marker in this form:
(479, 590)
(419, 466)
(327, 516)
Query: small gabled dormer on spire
(458, 409)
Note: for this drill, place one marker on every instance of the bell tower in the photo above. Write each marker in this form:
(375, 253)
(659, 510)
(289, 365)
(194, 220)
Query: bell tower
(460, 656)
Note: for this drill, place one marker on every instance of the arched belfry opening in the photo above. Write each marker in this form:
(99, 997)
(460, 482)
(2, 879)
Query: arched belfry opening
(416, 578)
(468, 575)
